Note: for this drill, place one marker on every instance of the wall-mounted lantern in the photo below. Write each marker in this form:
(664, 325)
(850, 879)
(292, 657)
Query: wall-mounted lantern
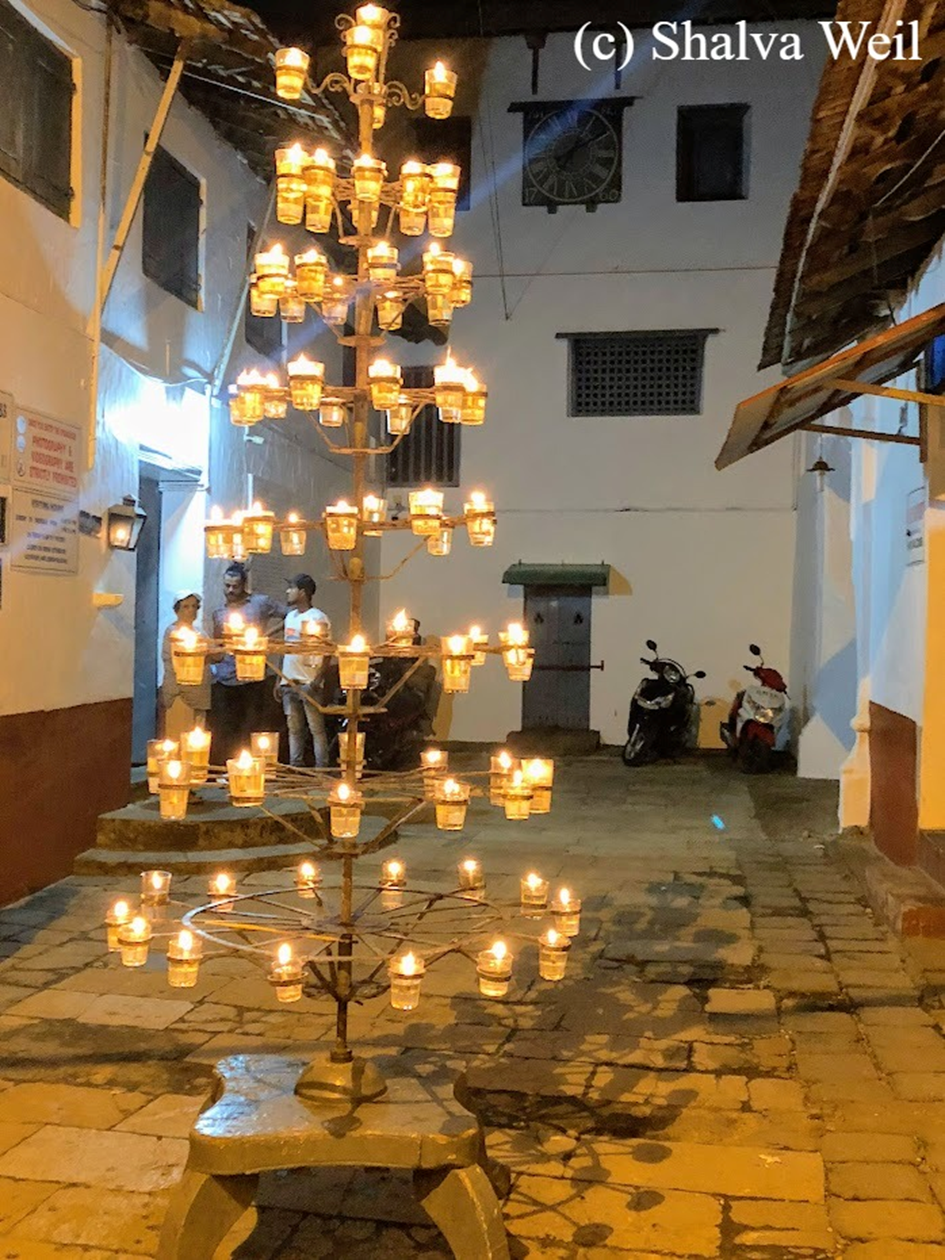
(125, 521)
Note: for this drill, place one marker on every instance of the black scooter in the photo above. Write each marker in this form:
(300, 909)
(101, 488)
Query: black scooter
(660, 712)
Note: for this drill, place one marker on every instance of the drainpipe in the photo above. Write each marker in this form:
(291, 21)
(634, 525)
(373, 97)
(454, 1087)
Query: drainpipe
(105, 276)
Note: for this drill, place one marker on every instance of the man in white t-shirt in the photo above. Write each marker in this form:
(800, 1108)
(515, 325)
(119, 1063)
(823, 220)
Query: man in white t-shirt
(305, 672)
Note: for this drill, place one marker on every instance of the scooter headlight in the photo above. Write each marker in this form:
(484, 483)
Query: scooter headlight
(672, 676)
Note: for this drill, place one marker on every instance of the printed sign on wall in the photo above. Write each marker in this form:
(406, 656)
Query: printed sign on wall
(44, 534)
(6, 434)
(45, 454)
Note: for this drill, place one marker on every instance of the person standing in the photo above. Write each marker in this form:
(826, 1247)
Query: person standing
(237, 708)
(304, 675)
(184, 706)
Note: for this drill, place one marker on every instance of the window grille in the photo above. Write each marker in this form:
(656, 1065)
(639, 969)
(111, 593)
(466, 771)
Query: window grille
(170, 254)
(35, 112)
(636, 373)
(262, 332)
(429, 454)
(710, 153)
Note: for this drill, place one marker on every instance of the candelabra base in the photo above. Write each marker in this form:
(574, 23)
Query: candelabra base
(355, 1082)
(257, 1122)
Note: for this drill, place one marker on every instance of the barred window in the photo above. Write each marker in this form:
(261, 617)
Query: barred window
(35, 112)
(429, 454)
(636, 373)
(711, 153)
(170, 249)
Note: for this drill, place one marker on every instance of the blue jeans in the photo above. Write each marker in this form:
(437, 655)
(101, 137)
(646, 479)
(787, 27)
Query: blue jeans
(302, 719)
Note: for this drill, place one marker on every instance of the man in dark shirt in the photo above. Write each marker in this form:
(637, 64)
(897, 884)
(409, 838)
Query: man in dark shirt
(238, 708)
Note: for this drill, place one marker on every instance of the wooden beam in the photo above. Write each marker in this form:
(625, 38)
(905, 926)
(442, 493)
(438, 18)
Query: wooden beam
(834, 430)
(891, 391)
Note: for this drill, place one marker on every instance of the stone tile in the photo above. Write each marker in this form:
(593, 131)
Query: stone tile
(52, 1004)
(801, 1226)
(50, 1103)
(725, 1002)
(916, 1086)
(135, 1012)
(19, 1198)
(776, 1095)
(891, 1249)
(835, 1067)
(115, 1161)
(171, 1115)
(920, 1222)
(683, 1089)
(883, 1148)
(872, 1180)
(12, 1134)
(124, 1222)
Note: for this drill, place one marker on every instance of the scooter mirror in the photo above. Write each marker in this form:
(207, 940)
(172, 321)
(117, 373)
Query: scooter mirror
(754, 649)
(651, 645)
(700, 673)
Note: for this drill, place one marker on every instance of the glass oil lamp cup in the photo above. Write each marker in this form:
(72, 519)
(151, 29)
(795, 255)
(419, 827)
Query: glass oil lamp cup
(343, 737)
(306, 380)
(378, 114)
(248, 405)
(452, 801)
(265, 746)
(319, 172)
(566, 909)
(319, 213)
(292, 538)
(438, 271)
(221, 889)
(332, 413)
(272, 270)
(249, 652)
(286, 975)
(363, 46)
(457, 663)
(307, 879)
(426, 511)
(233, 629)
(291, 311)
(439, 89)
(311, 271)
(155, 889)
(383, 263)
(216, 534)
(449, 388)
(345, 804)
(415, 184)
(189, 656)
(174, 789)
(412, 222)
(291, 69)
(373, 513)
(406, 972)
(434, 763)
(386, 381)
(393, 883)
(494, 968)
(553, 949)
(246, 779)
(473, 409)
(400, 417)
(118, 915)
(368, 174)
(540, 775)
(441, 213)
(470, 874)
(276, 401)
(461, 293)
(501, 765)
(439, 310)
(480, 519)
(290, 186)
(518, 663)
(195, 748)
(261, 304)
(134, 939)
(390, 310)
(159, 750)
(400, 629)
(183, 959)
(257, 528)
(336, 301)
(341, 526)
(478, 641)
(354, 661)
(517, 797)
(440, 543)
(534, 893)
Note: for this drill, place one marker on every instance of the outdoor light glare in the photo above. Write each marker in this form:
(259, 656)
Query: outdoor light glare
(125, 523)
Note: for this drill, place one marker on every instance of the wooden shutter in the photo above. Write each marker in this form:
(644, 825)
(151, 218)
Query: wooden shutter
(447, 140)
(11, 98)
(170, 247)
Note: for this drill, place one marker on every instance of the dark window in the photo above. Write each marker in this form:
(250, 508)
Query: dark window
(170, 253)
(35, 112)
(262, 332)
(446, 140)
(636, 373)
(710, 153)
(429, 454)
(933, 366)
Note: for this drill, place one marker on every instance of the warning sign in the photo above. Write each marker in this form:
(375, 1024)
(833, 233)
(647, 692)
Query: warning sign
(44, 534)
(45, 453)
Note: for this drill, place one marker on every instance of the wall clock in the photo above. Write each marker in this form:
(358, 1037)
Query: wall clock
(571, 152)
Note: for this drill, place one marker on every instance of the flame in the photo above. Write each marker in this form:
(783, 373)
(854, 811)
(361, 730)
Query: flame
(284, 954)
(296, 154)
(400, 621)
(197, 738)
(307, 870)
(121, 910)
(185, 941)
(139, 926)
(518, 778)
(499, 950)
(517, 634)
(321, 157)
(456, 644)
(475, 632)
(245, 761)
(173, 769)
(395, 869)
(564, 896)
(157, 880)
(470, 865)
(439, 72)
(358, 644)
(383, 367)
(263, 742)
(250, 636)
(551, 937)
(292, 518)
(478, 498)
(533, 880)
(505, 760)
(407, 965)
(222, 883)
(235, 623)
(343, 792)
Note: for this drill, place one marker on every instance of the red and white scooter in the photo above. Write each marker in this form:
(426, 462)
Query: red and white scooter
(757, 717)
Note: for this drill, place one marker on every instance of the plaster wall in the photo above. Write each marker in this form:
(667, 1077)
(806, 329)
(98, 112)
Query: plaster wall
(702, 561)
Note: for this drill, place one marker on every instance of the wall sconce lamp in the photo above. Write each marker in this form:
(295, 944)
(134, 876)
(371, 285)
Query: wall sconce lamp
(125, 522)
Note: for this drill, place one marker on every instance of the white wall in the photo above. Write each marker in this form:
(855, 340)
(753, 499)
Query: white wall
(703, 561)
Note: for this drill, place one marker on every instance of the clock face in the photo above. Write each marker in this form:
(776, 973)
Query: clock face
(572, 156)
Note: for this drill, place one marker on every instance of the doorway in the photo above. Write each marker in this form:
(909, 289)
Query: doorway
(147, 587)
(558, 694)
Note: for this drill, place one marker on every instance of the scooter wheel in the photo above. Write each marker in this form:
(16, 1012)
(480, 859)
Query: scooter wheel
(637, 751)
(754, 757)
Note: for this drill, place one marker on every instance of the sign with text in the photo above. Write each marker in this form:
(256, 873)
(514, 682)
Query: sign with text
(44, 533)
(915, 526)
(6, 434)
(45, 453)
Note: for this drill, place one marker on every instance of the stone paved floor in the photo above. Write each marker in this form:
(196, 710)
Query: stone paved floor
(740, 1062)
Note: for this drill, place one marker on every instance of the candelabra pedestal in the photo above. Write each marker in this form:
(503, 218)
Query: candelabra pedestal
(257, 1122)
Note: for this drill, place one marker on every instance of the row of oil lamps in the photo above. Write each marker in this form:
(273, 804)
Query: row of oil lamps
(445, 282)
(252, 532)
(458, 394)
(130, 932)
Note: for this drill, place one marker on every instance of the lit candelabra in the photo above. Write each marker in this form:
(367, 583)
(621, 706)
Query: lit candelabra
(349, 938)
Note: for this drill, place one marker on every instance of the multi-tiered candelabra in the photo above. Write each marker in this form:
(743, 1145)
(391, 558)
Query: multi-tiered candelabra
(359, 937)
